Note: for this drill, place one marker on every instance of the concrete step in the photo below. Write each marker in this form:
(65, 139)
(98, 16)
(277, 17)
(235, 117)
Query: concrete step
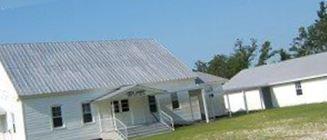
(111, 136)
(147, 130)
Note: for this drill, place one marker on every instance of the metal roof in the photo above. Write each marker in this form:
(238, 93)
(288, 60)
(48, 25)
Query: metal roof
(50, 67)
(209, 78)
(307, 67)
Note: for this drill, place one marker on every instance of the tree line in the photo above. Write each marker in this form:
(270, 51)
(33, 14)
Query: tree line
(310, 40)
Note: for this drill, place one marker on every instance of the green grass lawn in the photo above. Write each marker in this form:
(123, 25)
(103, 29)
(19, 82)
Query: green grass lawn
(300, 122)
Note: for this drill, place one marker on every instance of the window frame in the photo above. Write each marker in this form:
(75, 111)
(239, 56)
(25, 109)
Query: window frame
(174, 98)
(116, 107)
(124, 107)
(13, 121)
(87, 113)
(61, 116)
(152, 104)
(298, 88)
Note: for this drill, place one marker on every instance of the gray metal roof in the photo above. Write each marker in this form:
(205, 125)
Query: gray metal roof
(307, 67)
(209, 78)
(49, 67)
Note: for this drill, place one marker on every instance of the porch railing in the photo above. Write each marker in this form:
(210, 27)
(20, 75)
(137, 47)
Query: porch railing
(167, 120)
(118, 126)
(121, 128)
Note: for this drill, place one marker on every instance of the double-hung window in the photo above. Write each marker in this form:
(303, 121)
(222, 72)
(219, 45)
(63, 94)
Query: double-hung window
(116, 106)
(124, 105)
(174, 100)
(87, 113)
(56, 117)
(298, 88)
(121, 106)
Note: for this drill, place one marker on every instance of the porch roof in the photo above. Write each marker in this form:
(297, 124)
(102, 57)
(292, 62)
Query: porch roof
(2, 111)
(126, 89)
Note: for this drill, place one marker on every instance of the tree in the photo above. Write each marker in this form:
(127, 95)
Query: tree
(201, 66)
(313, 39)
(245, 53)
(218, 66)
(283, 54)
(242, 57)
(228, 65)
(265, 53)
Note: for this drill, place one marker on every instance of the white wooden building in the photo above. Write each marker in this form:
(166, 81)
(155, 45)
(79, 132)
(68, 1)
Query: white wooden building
(292, 82)
(100, 89)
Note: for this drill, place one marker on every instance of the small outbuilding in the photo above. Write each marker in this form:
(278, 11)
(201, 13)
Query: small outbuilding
(288, 83)
(215, 98)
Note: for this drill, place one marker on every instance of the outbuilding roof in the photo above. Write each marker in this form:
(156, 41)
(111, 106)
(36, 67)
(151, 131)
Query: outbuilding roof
(209, 78)
(51, 67)
(307, 67)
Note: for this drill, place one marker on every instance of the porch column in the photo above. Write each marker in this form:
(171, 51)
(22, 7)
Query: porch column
(99, 116)
(229, 107)
(113, 114)
(205, 105)
(191, 106)
(158, 106)
(261, 101)
(245, 102)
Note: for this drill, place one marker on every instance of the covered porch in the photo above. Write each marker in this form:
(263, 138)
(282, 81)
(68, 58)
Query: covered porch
(133, 110)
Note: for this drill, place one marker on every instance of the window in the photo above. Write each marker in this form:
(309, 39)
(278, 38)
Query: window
(174, 101)
(87, 114)
(152, 104)
(13, 123)
(56, 116)
(124, 105)
(116, 106)
(298, 88)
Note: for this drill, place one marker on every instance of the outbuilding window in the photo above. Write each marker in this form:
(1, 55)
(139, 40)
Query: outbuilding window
(87, 114)
(298, 88)
(174, 100)
(56, 116)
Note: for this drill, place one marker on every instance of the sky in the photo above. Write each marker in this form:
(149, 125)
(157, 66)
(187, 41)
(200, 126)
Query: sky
(190, 29)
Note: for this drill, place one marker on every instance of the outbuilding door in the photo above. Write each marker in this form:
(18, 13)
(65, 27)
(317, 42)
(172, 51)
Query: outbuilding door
(266, 94)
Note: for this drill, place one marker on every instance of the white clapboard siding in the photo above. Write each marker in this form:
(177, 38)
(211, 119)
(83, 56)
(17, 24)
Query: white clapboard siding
(39, 122)
(237, 101)
(314, 91)
(184, 113)
(10, 103)
(215, 104)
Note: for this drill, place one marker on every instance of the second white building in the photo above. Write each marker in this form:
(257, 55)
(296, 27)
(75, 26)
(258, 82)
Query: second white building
(293, 82)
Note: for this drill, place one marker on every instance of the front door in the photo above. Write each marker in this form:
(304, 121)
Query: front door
(125, 112)
(152, 104)
(267, 97)
(138, 106)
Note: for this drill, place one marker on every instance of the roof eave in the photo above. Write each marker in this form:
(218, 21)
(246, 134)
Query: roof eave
(228, 90)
